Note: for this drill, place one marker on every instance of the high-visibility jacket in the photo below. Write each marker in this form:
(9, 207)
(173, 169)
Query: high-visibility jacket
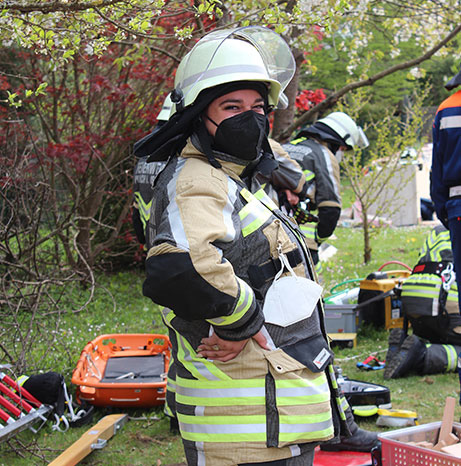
(432, 309)
(213, 255)
(143, 181)
(321, 170)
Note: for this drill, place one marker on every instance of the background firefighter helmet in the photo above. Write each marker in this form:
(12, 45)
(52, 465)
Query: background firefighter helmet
(252, 53)
(339, 129)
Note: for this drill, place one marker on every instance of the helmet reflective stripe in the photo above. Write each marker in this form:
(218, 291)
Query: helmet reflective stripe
(346, 128)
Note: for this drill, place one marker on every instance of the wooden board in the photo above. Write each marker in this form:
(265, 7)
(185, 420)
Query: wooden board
(92, 439)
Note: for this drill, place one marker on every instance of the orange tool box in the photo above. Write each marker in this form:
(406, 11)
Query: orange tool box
(126, 370)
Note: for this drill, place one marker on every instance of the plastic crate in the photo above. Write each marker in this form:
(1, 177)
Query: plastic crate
(396, 452)
(341, 318)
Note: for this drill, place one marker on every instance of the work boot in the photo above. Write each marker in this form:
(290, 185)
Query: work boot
(361, 440)
(396, 337)
(409, 358)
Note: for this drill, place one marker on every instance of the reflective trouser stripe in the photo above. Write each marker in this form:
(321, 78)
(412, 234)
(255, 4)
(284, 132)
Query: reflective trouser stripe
(452, 357)
(200, 368)
(308, 229)
(244, 303)
(341, 401)
(144, 209)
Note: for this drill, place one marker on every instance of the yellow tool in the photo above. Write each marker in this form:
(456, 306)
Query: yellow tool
(93, 439)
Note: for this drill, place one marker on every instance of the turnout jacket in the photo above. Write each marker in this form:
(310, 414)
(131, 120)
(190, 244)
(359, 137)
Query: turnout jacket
(143, 186)
(321, 170)
(446, 159)
(433, 310)
(213, 255)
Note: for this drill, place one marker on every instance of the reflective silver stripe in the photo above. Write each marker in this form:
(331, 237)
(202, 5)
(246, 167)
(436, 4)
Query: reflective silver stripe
(188, 358)
(244, 303)
(307, 427)
(453, 121)
(452, 357)
(220, 392)
(455, 190)
(225, 428)
(173, 215)
(295, 450)
(232, 190)
(302, 391)
(201, 461)
(221, 71)
(199, 411)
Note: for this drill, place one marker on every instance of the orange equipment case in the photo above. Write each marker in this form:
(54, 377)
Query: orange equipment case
(126, 370)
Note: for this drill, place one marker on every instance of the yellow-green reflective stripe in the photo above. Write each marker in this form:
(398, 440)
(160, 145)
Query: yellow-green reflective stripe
(297, 141)
(262, 196)
(144, 208)
(420, 293)
(214, 430)
(253, 215)
(243, 304)
(219, 384)
(309, 175)
(200, 368)
(293, 437)
(452, 357)
(308, 229)
(258, 421)
(222, 438)
(223, 393)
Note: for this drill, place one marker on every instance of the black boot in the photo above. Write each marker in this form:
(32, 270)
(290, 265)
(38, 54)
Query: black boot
(409, 358)
(361, 440)
(396, 338)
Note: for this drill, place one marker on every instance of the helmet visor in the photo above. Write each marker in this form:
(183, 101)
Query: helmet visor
(362, 140)
(275, 53)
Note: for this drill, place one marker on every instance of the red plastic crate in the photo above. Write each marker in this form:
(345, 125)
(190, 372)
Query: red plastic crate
(396, 452)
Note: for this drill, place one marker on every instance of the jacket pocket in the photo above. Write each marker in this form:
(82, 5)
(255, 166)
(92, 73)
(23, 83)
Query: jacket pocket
(298, 406)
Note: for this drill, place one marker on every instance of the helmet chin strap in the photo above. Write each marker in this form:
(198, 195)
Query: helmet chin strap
(205, 141)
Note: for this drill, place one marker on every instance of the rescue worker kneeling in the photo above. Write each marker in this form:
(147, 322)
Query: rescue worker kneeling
(250, 389)
(430, 303)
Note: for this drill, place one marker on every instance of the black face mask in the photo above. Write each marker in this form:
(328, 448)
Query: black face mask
(241, 135)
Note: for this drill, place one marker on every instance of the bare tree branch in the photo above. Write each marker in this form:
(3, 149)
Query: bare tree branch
(42, 7)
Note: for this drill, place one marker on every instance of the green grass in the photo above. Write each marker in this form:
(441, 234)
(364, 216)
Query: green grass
(119, 307)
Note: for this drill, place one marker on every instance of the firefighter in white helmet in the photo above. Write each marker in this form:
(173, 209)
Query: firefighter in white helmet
(144, 176)
(318, 149)
(254, 380)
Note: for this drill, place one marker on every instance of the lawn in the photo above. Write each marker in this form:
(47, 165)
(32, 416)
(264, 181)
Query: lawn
(119, 307)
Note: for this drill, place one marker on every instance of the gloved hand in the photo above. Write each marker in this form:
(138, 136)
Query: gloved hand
(303, 216)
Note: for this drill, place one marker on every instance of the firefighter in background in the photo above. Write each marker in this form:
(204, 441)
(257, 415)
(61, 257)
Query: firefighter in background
(319, 149)
(144, 176)
(430, 303)
(446, 169)
(249, 389)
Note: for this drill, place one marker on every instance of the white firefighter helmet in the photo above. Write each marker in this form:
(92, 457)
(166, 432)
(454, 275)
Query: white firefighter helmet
(252, 53)
(346, 128)
(164, 114)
